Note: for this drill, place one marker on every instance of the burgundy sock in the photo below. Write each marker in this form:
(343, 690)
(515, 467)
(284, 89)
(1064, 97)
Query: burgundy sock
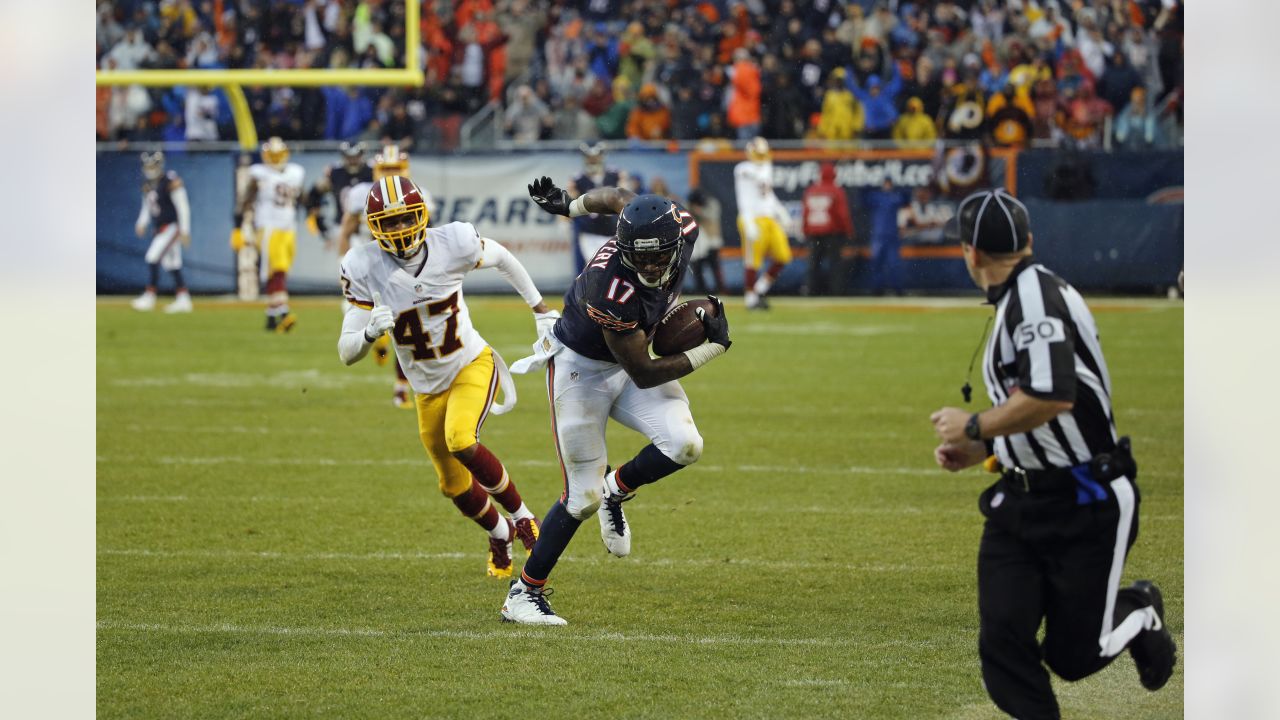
(474, 503)
(487, 470)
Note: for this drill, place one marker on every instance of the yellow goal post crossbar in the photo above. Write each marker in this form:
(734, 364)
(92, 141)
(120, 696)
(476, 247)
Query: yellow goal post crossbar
(232, 81)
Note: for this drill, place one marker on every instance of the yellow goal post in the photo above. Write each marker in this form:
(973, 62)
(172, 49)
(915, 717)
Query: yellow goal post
(233, 81)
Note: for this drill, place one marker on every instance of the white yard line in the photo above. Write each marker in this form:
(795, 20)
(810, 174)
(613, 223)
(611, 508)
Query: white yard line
(505, 633)
(478, 557)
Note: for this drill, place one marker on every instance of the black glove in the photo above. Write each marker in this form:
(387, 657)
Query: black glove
(717, 327)
(549, 197)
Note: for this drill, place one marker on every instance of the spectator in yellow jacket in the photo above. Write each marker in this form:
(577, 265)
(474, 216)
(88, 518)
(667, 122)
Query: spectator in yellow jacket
(914, 128)
(842, 115)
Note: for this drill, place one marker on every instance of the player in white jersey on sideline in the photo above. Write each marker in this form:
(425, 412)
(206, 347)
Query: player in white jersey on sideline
(761, 223)
(390, 161)
(273, 190)
(409, 282)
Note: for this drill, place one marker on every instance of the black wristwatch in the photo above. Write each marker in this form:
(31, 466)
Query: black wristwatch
(971, 429)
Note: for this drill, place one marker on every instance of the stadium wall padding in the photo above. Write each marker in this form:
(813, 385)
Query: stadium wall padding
(1119, 242)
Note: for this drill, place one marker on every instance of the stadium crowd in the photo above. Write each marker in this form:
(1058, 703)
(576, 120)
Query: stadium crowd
(1008, 71)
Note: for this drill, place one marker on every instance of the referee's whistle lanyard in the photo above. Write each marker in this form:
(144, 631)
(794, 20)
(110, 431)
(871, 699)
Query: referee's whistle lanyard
(966, 390)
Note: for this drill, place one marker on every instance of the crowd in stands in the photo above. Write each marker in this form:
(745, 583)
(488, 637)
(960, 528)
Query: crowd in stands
(1007, 71)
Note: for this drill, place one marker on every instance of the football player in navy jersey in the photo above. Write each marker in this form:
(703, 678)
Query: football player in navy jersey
(336, 180)
(592, 230)
(598, 366)
(166, 209)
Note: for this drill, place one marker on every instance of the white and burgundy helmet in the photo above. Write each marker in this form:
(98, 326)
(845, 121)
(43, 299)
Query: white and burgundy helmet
(396, 211)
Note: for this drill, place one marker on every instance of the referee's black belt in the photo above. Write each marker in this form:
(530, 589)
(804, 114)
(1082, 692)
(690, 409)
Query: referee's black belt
(1102, 468)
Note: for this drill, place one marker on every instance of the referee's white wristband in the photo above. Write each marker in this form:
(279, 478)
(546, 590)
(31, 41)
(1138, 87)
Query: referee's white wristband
(578, 207)
(704, 354)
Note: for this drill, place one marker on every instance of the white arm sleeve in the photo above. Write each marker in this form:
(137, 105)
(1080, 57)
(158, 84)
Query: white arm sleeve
(142, 214)
(352, 345)
(496, 256)
(184, 210)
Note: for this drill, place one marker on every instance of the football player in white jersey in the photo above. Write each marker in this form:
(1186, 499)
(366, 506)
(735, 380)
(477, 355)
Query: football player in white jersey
(409, 282)
(273, 190)
(761, 219)
(390, 161)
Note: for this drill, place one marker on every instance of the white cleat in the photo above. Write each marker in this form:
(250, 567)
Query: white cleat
(614, 529)
(529, 607)
(180, 304)
(145, 302)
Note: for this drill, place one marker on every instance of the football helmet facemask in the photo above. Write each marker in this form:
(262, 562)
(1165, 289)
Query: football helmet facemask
(275, 153)
(396, 211)
(651, 238)
(153, 165)
(390, 161)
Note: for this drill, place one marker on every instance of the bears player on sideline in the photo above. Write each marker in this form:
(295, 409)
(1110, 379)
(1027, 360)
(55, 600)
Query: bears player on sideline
(760, 221)
(410, 282)
(338, 178)
(592, 230)
(165, 206)
(273, 190)
(390, 161)
(598, 366)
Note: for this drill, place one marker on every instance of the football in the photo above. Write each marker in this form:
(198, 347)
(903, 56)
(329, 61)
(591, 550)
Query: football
(681, 329)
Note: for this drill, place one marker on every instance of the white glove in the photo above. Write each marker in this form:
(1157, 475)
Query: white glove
(380, 319)
(750, 230)
(545, 321)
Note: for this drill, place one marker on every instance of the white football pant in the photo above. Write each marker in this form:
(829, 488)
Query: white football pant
(584, 394)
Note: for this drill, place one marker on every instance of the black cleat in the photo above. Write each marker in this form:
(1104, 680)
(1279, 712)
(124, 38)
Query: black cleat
(1153, 651)
(271, 323)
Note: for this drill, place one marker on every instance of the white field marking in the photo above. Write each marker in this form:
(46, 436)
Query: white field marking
(827, 329)
(226, 429)
(478, 557)
(288, 379)
(144, 498)
(364, 462)
(812, 682)
(424, 462)
(734, 508)
(506, 634)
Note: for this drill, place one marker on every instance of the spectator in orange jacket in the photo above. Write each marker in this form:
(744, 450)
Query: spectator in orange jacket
(649, 119)
(744, 97)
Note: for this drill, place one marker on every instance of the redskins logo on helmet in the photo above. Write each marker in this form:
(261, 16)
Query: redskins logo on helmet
(758, 150)
(396, 211)
(275, 153)
(390, 161)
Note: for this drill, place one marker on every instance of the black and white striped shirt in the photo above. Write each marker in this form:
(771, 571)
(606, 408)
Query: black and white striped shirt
(1046, 344)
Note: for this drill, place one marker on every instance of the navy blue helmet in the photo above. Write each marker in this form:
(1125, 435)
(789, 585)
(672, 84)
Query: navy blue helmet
(650, 238)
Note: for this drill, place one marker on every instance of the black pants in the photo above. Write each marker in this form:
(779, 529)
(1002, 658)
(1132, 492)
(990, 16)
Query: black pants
(1055, 555)
(824, 264)
(710, 264)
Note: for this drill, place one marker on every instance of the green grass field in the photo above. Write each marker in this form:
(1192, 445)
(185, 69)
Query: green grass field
(271, 542)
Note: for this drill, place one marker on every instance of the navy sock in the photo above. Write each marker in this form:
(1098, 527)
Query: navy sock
(648, 466)
(557, 529)
(177, 280)
(154, 269)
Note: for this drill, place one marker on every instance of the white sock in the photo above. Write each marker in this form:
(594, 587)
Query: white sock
(611, 485)
(522, 513)
(749, 297)
(763, 283)
(501, 531)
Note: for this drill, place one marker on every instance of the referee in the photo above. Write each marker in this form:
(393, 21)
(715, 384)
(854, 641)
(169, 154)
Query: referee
(1064, 512)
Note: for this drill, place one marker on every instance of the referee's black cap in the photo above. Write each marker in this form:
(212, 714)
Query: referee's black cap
(992, 221)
